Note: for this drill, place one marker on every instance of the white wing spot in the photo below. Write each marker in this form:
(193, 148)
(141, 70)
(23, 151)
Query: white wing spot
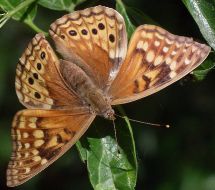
(173, 53)
(187, 61)
(38, 134)
(145, 46)
(32, 125)
(44, 161)
(140, 45)
(168, 60)
(173, 65)
(35, 152)
(38, 143)
(27, 145)
(25, 135)
(150, 56)
(172, 74)
(158, 60)
(157, 43)
(165, 49)
(36, 158)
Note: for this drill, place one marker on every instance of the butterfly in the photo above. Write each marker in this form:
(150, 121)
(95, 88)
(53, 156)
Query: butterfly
(93, 71)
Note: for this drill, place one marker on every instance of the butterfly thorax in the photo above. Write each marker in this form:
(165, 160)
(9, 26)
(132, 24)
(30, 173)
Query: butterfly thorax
(83, 85)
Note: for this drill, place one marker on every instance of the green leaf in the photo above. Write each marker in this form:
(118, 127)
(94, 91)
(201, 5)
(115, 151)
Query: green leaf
(60, 5)
(139, 17)
(109, 169)
(19, 10)
(201, 72)
(120, 7)
(204, 15)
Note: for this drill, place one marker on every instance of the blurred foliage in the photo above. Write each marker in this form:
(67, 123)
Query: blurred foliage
(180, 158)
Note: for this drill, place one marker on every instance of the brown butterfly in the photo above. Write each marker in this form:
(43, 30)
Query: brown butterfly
(63, 96)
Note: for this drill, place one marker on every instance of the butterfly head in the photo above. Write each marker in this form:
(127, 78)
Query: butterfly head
(109, 114)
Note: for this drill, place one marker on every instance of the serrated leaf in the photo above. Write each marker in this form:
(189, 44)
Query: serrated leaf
(25, 9)
(60, 5)
(120, 7)
(203, 12)
(109, 169)
(201, 72)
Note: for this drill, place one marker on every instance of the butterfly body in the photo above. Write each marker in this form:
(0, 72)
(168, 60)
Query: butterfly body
(63, 97)
(79, 81)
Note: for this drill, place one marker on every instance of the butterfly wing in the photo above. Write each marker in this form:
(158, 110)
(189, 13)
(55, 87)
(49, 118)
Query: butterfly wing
(95, 39)
(40, 137)
(38, 80)
(155, 59)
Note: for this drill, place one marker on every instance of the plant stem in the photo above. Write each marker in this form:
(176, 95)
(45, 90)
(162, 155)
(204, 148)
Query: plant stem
(122, 112)
(33, 26)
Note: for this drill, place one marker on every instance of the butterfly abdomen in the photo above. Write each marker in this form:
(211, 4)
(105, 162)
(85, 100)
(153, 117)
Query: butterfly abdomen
(82, 84)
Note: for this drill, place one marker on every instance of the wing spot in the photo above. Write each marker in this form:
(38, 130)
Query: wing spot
(173, 53)
(36, 158)
(157, 43)
(35, 75)
(27, 170)
(25, 135)
(165, 49)
(159, 36)
(84, 31)
(62, 36)
(172, 74)
(158, 60)
(38, 134)
(37, 95)
(30, 81)
(35, 152)
(101, 26)
(72, 33)
(145, 46)
(150, 56)
(39, 66)
(44, 161)
(32, 125)
(173, 65)
(168, 60)
(140, 45)
(39, 143)
(112, 38)
(94, 31)
(187, 61)
(42, 55)
(27, 145)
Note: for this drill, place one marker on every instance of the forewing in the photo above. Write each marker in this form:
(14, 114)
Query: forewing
(155, 59)
(40, 137)
(38, 81)
(95, 39)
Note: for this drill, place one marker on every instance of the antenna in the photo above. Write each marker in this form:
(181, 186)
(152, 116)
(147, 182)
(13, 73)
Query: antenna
(143, 122)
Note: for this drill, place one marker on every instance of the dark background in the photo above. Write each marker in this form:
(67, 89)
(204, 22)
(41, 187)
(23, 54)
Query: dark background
(179, 158)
